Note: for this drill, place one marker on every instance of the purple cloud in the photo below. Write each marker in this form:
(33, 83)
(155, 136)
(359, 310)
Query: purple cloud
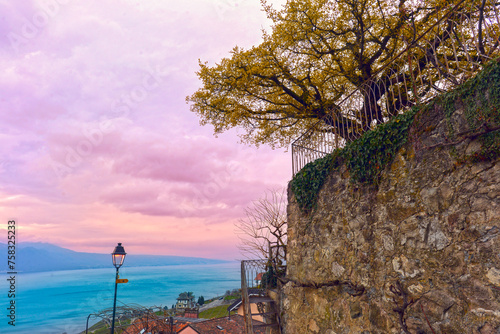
(96, 133)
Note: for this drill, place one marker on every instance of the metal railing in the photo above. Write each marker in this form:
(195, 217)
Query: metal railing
(250, 270)
(251, 274)
(451, 50)
(258, 277)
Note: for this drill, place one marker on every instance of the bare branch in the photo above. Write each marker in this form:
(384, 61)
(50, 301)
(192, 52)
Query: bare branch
(263, 233)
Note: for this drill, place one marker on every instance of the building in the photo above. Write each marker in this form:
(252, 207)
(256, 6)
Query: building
(191, 312)
(262, 309)
(258, 279)
(234, 324)
(237, 305)
(163, 325)
(184, 301)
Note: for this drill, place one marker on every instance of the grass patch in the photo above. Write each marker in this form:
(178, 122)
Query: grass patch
(215, 312)
(231, 297)
(101, 328)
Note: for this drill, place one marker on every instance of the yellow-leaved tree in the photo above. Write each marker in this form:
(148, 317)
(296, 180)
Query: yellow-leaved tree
(393, 54)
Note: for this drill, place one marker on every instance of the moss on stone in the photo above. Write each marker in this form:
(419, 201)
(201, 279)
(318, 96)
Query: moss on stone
(366, 157)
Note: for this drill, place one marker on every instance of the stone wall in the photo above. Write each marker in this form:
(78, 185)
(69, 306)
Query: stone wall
(420, 251)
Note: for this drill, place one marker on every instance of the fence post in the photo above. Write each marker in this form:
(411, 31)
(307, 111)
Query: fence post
(246, 303)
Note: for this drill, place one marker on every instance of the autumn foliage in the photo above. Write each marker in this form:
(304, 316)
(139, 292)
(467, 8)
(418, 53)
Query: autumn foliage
(320, 51)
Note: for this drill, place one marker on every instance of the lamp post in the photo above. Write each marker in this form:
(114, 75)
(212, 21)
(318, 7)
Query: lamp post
(87, 328)
(118, 258)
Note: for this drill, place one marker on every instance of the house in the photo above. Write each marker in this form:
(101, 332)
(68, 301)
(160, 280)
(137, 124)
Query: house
(184, 301)
(147, 325)
(158, 325)
(262, 308)
(234, 324)
(258, 279)
(191, 312)
(237, 305)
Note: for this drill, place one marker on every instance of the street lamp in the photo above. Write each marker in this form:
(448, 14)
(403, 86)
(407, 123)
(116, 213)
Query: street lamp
(118, 258)
(87, 328)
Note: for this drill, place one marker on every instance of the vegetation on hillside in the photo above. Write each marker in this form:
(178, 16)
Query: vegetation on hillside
(215, 312)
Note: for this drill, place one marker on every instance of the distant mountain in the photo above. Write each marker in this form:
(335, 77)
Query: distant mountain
(38, 256)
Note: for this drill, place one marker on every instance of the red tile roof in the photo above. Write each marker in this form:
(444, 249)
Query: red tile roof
(156, 324)
(259, 277)
(226, 325)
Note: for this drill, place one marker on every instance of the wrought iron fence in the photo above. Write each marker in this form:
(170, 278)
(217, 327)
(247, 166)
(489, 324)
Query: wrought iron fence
(251, 274)
(250, 270)
(257, 277)
(451, 50)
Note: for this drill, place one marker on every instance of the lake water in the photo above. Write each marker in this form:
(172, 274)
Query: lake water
(60, 301)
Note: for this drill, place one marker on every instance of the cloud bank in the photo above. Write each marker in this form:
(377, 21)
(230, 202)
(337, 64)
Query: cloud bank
(98, 144)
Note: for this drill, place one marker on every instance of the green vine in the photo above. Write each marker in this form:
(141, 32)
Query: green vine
(365, 159)
(308, 181)
(490, 149)
(481, 97)
(368, 156)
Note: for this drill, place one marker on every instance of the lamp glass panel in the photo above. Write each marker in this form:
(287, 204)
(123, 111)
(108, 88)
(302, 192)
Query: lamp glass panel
(118, 259)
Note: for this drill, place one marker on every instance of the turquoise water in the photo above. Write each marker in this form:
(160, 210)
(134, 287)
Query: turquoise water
(59, 302)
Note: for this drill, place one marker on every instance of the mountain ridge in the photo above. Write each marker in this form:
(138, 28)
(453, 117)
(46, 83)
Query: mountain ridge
(40, 256)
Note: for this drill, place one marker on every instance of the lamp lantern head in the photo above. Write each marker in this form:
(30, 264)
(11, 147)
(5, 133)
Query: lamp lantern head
(118, 255)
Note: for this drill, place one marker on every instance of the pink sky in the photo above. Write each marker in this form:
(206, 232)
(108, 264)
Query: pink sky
(98, 143)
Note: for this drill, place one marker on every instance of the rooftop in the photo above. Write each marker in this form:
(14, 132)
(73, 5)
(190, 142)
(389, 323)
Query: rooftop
(233, 325)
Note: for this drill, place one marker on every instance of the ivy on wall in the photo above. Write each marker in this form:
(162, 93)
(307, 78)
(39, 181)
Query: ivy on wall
(369, 155)
(481, 98)
(365, 159)
(308, 181)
